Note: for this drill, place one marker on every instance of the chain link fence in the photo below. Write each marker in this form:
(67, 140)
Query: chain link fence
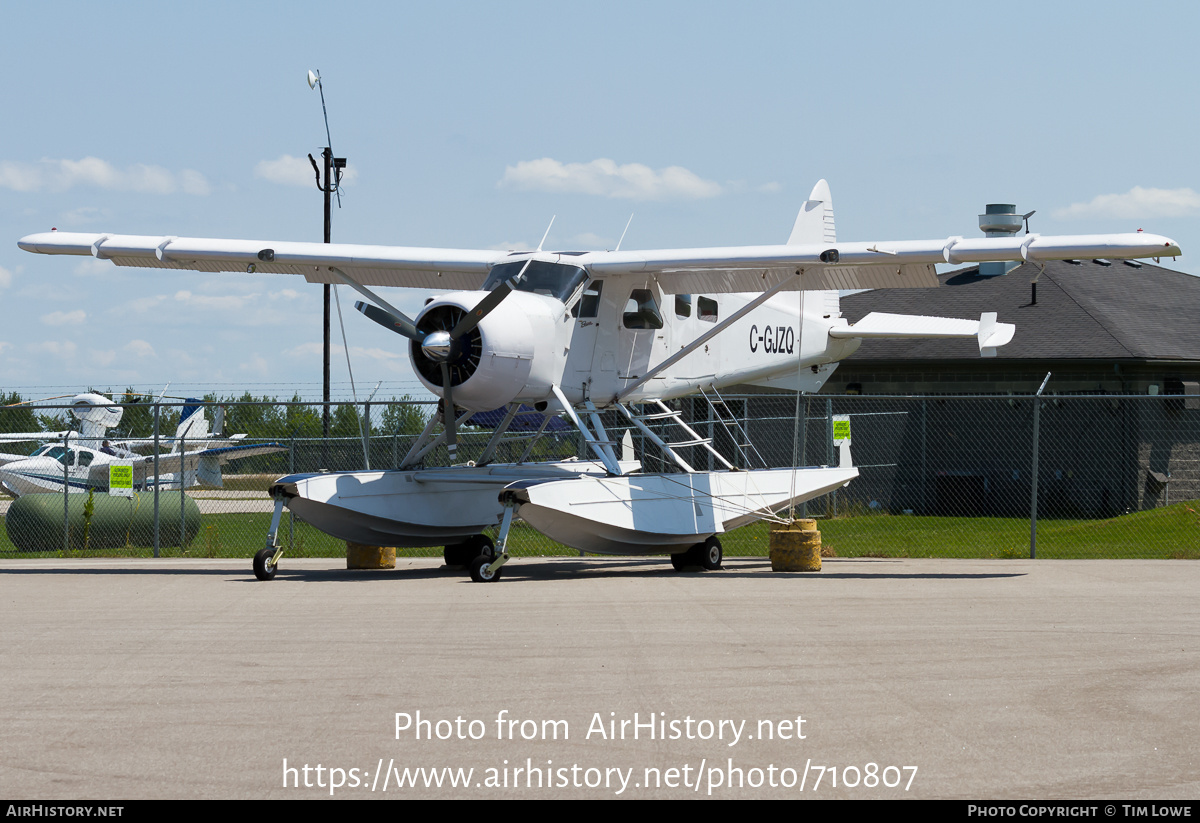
(949, 476)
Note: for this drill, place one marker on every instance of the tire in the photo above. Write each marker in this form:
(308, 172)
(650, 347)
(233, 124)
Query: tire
(461, 554)
(680, 561)
(710, 554)
(481, 544)
(457, 555)
(477, 570)
(264, 569)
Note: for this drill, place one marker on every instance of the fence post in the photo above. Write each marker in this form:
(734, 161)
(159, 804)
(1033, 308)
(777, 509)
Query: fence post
(924, 463)
(1033, 495)
(157, 407)
(182, 483)
(367, 434)
(804, 444)
(832, 505)
(66, 491)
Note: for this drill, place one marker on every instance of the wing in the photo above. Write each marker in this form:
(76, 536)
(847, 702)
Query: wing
(21, 437)
(449, 269)
(876, 265)
(899, 264)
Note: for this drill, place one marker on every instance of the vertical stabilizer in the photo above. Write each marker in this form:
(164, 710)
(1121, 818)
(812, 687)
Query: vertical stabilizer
(193, 425)
(814, 223)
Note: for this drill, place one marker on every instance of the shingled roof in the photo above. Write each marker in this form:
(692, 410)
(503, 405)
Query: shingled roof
(1084, 311)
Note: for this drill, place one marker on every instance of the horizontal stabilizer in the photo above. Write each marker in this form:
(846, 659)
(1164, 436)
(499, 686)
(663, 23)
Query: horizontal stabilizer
(986, 330)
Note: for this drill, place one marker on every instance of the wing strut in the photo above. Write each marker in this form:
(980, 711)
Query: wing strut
(708, 335)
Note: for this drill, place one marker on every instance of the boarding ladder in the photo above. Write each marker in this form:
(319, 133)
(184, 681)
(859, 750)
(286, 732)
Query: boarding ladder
(666, 416)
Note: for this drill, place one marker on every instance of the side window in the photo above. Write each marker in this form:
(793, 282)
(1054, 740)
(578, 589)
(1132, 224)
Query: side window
(85, 458)
(589, 303)
(683, 305)
(707, 309)
(641, 312)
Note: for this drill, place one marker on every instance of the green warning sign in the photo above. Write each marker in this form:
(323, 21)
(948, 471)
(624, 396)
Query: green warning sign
(841, 427)
(120, 480)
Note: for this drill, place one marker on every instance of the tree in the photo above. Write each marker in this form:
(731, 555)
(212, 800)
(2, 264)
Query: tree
(405, 416)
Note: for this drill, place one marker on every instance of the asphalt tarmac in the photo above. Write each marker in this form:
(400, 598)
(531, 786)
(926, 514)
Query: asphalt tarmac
(597, 678)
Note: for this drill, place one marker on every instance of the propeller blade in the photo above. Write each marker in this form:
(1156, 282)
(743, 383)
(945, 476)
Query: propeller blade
(400, 325)
(449, 415)
(491, 301)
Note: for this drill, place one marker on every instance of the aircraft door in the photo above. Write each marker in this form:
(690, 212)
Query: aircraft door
(582, 360)
(643, 334)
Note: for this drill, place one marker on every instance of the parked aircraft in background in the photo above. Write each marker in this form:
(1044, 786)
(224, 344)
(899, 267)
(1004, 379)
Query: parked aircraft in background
(79, 460)
(579, 332)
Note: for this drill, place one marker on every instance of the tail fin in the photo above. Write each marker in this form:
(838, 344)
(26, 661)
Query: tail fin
(814, 225)
(193, 425)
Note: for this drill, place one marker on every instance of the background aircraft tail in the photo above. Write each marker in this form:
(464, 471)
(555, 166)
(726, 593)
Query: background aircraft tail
(193, 424)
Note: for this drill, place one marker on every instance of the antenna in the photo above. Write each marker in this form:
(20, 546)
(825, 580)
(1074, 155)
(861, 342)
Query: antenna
(1026, 217)
(334, 166)
(547, 234)
(622, 240)
(339, 163)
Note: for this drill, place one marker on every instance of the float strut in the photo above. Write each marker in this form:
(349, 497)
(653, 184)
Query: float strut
(502, 555)
(273, 534)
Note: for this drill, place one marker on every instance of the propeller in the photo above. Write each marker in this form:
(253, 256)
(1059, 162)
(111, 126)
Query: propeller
(441, 343)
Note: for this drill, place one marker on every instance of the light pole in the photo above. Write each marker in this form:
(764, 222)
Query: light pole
(329, 184)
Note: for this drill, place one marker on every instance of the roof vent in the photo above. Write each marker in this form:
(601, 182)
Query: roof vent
(1102, 262)
(999, 220)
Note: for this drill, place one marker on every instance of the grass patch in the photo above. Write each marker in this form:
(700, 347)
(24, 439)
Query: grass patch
(1172, 532)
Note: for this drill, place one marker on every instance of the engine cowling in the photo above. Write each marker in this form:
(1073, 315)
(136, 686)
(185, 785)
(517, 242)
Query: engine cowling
(501, 360)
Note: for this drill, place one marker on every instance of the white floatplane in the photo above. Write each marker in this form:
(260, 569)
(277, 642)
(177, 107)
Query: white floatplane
(79, 461)
(579, 333)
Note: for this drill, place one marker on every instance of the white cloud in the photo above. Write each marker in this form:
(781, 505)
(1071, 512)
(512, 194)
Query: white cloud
(193, 182)
(141, 305)
(64, 318)
(103, 357)
(83, 214)
(305, 350)
(604, 178)
(63, 349)
(4, 346)
(90, 266)
(139, 348)
(295, 171)
(224, 303)
(5, 278)
(60, 175)
(1138, 202)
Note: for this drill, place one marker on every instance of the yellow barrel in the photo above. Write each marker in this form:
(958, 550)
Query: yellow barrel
(796, 547)
(359, 556)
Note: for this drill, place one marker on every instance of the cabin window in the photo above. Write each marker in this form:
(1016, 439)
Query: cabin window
(554, 279)
(707, 309)
(683, 305)
(589, 303)
(57, 452)
(641, 312)
(85, 458)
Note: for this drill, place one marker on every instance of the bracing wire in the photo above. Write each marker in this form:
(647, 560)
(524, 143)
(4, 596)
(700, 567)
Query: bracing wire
(353, 390)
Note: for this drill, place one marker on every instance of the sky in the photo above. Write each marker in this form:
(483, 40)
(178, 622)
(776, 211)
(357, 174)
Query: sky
(471, 125)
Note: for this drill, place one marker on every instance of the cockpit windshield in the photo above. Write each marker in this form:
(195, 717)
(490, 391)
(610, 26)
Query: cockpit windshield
(554, 279)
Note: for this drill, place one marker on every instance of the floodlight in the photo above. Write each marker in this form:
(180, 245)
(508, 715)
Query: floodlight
(313, 78)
